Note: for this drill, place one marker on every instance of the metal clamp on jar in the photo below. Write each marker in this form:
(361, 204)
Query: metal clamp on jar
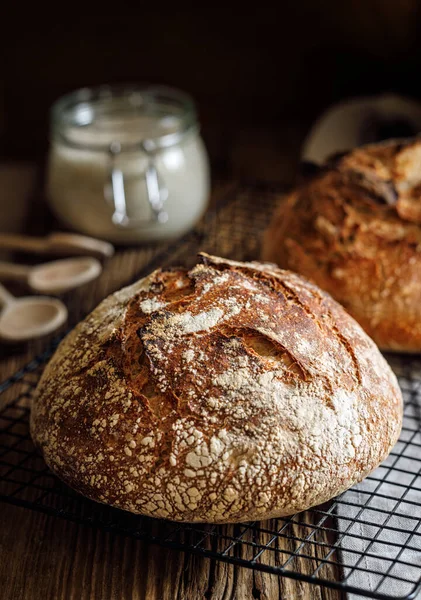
(156, 193)
(127, 164)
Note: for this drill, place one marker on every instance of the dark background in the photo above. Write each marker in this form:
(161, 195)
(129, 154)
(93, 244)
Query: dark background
(259, 76)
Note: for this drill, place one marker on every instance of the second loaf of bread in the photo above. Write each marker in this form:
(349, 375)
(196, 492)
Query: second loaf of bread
(354, 229)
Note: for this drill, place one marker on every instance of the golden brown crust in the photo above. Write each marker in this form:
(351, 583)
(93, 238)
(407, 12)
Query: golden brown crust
(231, 392)
(355, 229)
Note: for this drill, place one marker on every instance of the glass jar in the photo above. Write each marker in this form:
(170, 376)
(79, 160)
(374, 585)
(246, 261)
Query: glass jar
(127, 164)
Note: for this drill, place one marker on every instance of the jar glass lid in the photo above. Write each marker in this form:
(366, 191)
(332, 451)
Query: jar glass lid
(147, 117)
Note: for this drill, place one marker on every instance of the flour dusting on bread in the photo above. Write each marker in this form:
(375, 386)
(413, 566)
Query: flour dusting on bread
(230, 392)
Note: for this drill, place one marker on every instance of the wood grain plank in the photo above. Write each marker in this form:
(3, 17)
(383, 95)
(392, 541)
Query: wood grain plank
(44, 557)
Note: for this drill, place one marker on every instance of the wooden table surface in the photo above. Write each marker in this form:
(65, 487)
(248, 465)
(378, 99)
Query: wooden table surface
(48, 558)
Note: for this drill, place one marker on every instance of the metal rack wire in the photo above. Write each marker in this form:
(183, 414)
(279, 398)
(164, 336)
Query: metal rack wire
(366, 541)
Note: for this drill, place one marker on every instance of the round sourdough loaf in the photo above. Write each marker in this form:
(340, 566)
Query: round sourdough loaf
(354, 228)
(230, 392)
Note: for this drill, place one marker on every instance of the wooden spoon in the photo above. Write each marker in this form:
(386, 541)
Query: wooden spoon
(29, 317)
(54, 277)
(57, 243)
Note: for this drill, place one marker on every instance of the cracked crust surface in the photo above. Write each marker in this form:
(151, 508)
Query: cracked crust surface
(227, 393)
(355, 230)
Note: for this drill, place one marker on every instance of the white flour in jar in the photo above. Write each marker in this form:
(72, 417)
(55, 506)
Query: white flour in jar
(78, 182)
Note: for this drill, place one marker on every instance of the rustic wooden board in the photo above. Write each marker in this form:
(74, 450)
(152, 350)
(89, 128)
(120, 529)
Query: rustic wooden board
(49, 558)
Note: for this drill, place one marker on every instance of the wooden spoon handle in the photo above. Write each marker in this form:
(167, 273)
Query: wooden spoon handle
(12, 241)
(13, 272)
(67, 244)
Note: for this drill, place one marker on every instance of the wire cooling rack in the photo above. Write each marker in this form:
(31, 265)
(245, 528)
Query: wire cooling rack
(366, 541)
